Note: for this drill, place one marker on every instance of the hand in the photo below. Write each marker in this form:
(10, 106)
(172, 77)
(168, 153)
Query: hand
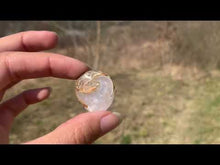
(20, 59)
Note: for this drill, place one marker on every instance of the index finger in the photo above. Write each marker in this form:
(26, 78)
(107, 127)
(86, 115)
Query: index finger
(16, 66)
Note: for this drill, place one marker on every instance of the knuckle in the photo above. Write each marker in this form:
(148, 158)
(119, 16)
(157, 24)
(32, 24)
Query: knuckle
(5, 59)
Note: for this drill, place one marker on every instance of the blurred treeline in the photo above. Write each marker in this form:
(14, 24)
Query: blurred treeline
(145, 43)
(70, 32)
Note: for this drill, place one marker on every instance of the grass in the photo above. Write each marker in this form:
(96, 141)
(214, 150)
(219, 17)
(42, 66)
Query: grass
(126, 139)
(205, 122)
(169, 103)
(157, 109)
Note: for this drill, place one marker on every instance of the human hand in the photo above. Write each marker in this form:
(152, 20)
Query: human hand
(20, 59)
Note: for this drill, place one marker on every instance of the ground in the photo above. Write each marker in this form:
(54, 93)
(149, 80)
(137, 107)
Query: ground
(165, 89)
(157, 109)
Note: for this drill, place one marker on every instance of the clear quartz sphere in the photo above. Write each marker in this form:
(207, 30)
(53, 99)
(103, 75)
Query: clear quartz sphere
(95, 91)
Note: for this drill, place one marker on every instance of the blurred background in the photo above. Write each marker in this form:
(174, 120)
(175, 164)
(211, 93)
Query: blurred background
(167, 78)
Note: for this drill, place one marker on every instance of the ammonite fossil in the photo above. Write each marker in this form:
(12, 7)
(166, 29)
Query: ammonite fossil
(95, 90)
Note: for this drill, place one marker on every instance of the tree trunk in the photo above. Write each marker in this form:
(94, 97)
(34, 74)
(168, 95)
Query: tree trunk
(97, 51)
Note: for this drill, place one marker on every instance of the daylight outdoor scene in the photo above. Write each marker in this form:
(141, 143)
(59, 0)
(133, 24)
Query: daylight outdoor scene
(166, 76)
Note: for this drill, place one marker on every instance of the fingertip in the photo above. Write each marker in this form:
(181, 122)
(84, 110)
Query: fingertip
(43, 93)
(39, 40)
(74, 67)
(81, 70)
(109, 122)
(51, 39)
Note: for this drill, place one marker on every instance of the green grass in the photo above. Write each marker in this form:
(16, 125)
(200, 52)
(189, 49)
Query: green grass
(205, 120)
(126, 139)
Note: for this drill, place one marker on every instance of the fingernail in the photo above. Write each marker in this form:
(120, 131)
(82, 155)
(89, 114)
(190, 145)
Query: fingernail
(118, 115)
(53, 32)
(44, 93)
(110, 121)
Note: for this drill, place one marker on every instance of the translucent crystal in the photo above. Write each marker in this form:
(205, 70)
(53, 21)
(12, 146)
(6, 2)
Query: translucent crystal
(95, 91)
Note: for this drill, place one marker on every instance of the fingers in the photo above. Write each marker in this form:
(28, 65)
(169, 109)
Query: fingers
(83, 129)
(11, 108)
(18, 103)
(29, 41)
(16, 66)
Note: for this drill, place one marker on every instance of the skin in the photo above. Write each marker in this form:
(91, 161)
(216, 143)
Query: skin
(21, 58)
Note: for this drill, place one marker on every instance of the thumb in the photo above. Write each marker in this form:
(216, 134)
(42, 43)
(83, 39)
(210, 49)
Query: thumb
(82, 129)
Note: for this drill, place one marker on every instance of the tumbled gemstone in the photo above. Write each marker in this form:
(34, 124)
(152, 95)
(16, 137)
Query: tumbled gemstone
(95, 91)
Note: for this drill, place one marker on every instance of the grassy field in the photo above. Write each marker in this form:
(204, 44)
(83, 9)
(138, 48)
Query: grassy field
(165, 92)
(157, 109)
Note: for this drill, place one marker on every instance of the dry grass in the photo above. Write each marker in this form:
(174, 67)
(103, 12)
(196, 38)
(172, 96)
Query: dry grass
(167, 80)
